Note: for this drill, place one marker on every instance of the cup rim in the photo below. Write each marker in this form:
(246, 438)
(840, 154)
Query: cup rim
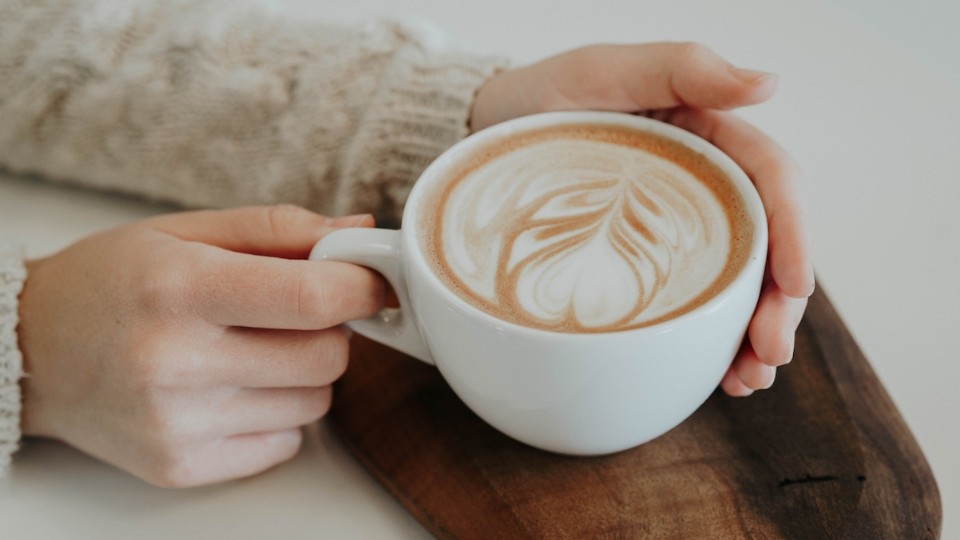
(756, 256)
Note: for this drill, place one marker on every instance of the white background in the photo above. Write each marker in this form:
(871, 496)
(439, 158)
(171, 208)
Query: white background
(869, 104)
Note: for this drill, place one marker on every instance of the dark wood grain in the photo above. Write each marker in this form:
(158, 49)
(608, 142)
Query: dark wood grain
(823, 454)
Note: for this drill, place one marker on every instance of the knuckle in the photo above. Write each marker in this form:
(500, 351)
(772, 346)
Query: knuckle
(328, 295)
(283, 219)
(146, 362)
(175, 452)
(175, 470)
(156, 363)
(168, 432)
(167, 426)
(691, 52)
(312, 297)
(162, 284)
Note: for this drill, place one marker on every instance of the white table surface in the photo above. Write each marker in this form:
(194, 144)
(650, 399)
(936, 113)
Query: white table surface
(869, 104)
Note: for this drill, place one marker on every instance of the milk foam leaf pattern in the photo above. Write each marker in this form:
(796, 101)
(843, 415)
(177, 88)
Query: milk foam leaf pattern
(584, 236)
(598, 252)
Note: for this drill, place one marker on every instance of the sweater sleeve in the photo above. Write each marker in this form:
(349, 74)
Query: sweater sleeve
(12, 275)
(217, 103)
(224, 103)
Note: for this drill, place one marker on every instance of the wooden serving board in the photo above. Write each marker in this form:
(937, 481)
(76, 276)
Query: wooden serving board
(823, 454)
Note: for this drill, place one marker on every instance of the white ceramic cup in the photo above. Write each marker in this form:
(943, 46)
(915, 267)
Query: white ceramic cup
(572, 393)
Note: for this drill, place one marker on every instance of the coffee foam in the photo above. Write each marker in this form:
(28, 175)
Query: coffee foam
(585, 229)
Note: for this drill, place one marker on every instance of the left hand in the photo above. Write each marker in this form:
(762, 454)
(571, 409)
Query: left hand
(189, 348)
(690, 86)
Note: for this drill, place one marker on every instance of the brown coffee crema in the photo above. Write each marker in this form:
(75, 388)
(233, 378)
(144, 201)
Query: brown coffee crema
(585, 228)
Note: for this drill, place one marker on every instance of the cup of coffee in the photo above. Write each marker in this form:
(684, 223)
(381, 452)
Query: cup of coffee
(582, 280)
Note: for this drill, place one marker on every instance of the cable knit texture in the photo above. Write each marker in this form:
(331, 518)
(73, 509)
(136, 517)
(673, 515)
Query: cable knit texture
(225, 103)
(219, 103)
(12, 274)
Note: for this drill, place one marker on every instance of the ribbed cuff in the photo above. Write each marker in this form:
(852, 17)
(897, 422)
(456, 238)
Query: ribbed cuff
(12, 276)
(421, 108)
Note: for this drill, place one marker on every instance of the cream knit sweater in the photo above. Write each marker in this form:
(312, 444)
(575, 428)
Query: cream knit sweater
(217, 103)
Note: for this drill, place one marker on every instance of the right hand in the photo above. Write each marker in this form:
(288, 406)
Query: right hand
(690, 86)
(189, 348)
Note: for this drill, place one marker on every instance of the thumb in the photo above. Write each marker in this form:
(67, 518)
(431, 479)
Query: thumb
(280, 231)
(693, 75)
(632, 78)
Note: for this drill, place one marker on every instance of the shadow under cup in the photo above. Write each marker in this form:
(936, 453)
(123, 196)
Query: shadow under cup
(585, 392)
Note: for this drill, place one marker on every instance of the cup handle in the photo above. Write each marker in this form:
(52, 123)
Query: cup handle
(377, 249)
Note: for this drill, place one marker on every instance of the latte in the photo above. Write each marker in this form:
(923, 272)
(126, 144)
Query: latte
(585, 228)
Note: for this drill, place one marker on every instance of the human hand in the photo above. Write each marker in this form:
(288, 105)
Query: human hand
(690, 86)
(189, 348)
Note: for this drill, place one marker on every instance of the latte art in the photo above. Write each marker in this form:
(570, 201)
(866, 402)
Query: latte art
(586, 230)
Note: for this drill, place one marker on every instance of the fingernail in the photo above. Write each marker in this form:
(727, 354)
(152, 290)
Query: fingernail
(752, 76)
(350, 221)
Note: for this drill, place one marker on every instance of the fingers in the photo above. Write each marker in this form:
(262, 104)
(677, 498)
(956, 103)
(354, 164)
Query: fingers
(227, 282)
(253, 431)
(227, 459)
(622, 78)
(234, 289)
(257, 358)
(631, 78)
(747, 374)
(282, 231)
(753, 373)
(771, 341)
(778, 182)
(784, 297)
(772, 330)
(256, 410)
(733, 386)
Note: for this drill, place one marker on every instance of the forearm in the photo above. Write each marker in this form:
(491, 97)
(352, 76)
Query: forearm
(218, 103)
